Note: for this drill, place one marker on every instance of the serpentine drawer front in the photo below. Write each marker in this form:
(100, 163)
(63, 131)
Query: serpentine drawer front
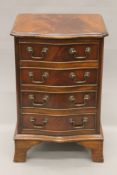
(58, 100)
(59, 77)
(54, 125)
(63, 77)
(59, 53)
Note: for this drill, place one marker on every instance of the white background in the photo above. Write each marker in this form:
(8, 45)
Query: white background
(66, 159)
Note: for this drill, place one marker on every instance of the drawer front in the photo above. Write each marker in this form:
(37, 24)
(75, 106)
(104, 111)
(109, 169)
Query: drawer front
(58, 53)
(58, 77)
(58, 101)
(58, 124)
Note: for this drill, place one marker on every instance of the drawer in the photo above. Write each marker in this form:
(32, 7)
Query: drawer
(58, 77)
(58, 53)
(58, 100)
(77, 124)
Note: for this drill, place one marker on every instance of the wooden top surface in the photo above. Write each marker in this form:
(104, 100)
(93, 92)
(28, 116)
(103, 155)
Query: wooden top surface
(59, 25)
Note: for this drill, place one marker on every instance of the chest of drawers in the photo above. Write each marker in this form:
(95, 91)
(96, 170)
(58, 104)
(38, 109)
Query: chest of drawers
(59, 61)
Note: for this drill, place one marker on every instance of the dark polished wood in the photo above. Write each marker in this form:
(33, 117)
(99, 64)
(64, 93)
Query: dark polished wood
(63, 77)
(59, 63)
(59, 125)
(58, 101)
(59, 53)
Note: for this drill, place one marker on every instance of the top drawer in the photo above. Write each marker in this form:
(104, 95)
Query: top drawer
(58, 53)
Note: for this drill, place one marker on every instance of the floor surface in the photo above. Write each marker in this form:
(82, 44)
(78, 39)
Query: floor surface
(57, 158)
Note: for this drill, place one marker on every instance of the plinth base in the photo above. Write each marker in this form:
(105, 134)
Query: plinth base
(23, 142)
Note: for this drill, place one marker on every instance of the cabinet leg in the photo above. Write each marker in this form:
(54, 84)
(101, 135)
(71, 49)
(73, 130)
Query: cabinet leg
(96, 147)
(97, 152)
(21, 148)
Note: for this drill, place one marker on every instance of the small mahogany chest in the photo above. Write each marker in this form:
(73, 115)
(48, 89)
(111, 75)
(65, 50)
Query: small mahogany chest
(59, 61)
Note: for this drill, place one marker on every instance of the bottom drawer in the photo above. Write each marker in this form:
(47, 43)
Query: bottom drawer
(58, 125)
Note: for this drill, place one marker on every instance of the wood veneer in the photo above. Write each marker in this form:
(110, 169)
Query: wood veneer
(59, 64)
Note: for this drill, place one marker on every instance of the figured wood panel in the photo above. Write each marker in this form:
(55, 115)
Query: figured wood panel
(59, 53)
(34, 123)
(58, 101)
(47, 77)
(52, 122)
(59, 25)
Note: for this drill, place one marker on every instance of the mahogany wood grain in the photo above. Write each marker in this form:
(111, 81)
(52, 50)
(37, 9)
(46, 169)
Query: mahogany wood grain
(21, 147)
(23, 142)
(57, 89)
(59, 65)
(59, 125)
(59, 53)
(58, 77)
(59, 44)
(59, 101)
(58, 112)
(59, 25)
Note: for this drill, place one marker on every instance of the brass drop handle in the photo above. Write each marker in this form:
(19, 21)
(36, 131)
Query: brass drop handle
(42, 54)
(74, 77)
(76, 126)
(72, 100)
(73, 52)
(44, 100)
(44, 77)
(38, 126)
